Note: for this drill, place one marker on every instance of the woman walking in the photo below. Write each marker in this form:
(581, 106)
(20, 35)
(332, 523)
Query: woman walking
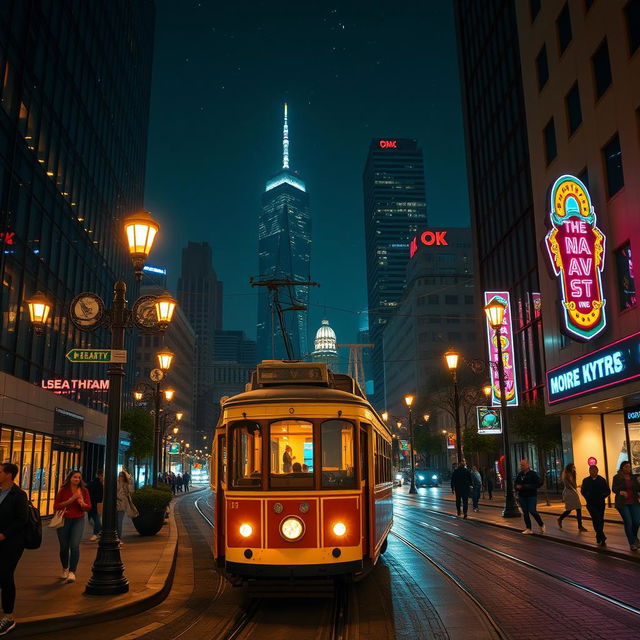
(627, 489)
(123, 500)
(73, 499)
(571, 496)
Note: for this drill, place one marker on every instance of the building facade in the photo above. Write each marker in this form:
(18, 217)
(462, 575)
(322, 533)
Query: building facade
(580, 69)
(284, 247)
(74, 105)
(394, 210)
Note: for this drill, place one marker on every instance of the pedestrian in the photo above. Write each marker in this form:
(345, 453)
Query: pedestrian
(179, 482)
(627, 489)
(287, 459)
(124, 504)
(74, 501)
(476, 480)
(96, 494)
(491, 480)
(172, 482)
(14, 514)
(527, 483)
(186, 478)
(570, 496)
(595, 490)
(461, 482)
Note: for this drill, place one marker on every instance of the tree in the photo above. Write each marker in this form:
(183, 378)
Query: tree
(531, 423)
(139, 424)
(474, 442)
(426, 442)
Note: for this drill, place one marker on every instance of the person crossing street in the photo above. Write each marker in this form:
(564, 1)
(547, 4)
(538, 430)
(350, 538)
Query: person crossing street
(527, 483)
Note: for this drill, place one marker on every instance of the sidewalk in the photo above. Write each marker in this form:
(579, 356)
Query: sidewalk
(490, 511)
(46, 603)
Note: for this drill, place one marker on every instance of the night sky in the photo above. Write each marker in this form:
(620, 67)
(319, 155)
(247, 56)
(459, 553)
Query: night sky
(350, 71)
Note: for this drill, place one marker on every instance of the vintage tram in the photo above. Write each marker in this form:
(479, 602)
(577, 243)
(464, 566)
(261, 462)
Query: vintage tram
(301, 472)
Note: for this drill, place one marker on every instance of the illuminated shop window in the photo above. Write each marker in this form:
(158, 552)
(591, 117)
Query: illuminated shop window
(624, 273)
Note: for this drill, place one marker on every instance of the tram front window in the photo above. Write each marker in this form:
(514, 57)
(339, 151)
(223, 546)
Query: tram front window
(291, 454)
(247, 454)
(338, 470)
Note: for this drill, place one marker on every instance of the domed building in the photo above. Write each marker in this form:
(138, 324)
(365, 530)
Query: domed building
(325, 346)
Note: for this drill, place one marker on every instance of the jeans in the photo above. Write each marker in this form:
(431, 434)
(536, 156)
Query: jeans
(10, 553)
(578, 516)
(528, 506)
(94, 516)
(69, 537)
(631, 517)
(596, 511)
(475, 496)
(490, 489)
(464, 498)
(120, 515)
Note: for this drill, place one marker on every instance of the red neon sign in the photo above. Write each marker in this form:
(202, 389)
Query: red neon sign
(62, 386)
(388, 144)
(576, 251)
(429, 239)
(7, 237)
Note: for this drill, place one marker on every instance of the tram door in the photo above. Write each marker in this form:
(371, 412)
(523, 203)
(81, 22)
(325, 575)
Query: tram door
(221, 485)
(364, 487)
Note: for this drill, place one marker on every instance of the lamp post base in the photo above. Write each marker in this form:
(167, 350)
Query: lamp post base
(412, 488)
(108, 577)
(511, 509)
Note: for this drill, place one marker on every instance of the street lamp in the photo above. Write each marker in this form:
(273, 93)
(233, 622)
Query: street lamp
(141, 230)
(495, 315)
(451, 358)
(426, 417)
(39, 309)
(165, 358)
(486, 389)
(168, 394)
(408, 400)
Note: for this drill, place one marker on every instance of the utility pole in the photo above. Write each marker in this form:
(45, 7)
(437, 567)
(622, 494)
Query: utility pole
(355, 368)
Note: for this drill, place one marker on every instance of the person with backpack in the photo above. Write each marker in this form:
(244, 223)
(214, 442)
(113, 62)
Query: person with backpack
(14, 517)
(527, 483)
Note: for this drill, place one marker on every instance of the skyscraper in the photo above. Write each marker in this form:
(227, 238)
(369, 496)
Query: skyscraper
(200, 297)
(284, 245)
(394, 209)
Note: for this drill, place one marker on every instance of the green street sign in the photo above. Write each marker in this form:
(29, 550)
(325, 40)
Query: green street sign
(97, 355)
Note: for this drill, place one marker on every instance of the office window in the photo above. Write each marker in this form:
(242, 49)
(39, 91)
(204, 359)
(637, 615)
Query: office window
(574, 111)
(433, 299)
(534, 6)
(451, 299)
(542, 66)
(601, 68)
(624, 273)
(613, 165)
(583, 176)
(563, 24)
(550, 147)
(632, 14)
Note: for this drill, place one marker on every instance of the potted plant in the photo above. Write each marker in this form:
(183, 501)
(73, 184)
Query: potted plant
(151, 505)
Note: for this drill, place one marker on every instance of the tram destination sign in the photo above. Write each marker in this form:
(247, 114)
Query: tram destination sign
(97, 355)
(609, 366)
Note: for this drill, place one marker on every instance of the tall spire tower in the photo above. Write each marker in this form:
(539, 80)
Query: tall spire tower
(284, 246)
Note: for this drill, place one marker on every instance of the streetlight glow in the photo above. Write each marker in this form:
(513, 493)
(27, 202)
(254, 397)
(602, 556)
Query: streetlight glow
(39, 309)
(141, 230)
(494, 310)
(168, 394)
(137, 396)
(451, 357)
(426, 417)
(486, 389)
(408, 400)
(385, 415)
(165, 306)
(165, 358)
(179, 415)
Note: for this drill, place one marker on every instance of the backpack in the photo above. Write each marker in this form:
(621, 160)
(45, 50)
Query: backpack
(33, 529)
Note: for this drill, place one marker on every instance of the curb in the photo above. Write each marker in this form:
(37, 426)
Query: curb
(156, 590)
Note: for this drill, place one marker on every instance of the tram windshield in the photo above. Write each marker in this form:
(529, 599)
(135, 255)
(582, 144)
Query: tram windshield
(337, 454)
(291, 454)
(247, 447)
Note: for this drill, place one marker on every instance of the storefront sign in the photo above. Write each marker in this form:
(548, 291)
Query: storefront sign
(632, 415)
(428, 239)
(64, 385)
(451, 440)
(489, 420)
(609, 366)
(388, 144)
(506, 339)
(576, 251)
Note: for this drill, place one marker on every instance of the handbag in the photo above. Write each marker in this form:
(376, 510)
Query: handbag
(131, 510)
(58, 519)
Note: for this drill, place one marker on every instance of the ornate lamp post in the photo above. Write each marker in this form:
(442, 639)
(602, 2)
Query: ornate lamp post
(451, 358)
(87, 312)
(408, 400)
(495, 315)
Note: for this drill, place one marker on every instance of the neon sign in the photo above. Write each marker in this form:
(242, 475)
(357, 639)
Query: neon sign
(576, 251)
(428, 239)
(8, 237)
(506, 340)
(62, 386)
(388, 144)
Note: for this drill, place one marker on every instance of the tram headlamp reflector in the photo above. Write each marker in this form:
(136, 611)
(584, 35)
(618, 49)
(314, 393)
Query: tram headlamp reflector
(339, 529)
(292, 529)
(246, 530)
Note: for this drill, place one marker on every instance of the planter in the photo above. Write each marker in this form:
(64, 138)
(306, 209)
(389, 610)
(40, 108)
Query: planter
(148, 523)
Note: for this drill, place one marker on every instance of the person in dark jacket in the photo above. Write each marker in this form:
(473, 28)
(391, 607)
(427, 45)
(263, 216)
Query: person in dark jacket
(14, 514)
(595, 491)
(96, 494)
(526, 484)
(461, 482)
(627, 489)
(186, 478)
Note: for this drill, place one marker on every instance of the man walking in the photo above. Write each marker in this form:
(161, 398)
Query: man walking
(477, 487)
(527, 483)
(461, 482)
(595, 491)
(491, 479)
(14, 514)
(186, 478)
(96, 494)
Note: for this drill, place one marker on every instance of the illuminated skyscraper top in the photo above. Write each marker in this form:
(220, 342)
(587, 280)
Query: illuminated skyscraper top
(284, 245)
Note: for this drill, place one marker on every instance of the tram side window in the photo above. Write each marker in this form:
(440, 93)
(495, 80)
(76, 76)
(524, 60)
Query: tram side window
(291, 454)
(247, 454)
(338, 470)
(383, 459)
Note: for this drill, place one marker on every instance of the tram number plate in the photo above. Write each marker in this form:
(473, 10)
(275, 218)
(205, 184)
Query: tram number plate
(234, 505)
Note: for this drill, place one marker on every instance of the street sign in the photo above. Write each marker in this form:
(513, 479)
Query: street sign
(97, 355)
(489, 420)
(174, 448)
(404, 445)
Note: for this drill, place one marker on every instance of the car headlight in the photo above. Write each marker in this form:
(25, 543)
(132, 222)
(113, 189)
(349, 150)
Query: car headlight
(246, 530)
(434, 477)
(398, 476)
(420, 477)
(339, 529)
(292, 529)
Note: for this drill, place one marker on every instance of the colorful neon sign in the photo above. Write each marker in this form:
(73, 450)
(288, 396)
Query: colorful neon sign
(67, 386)
(489, 420)
(8, 237)
(506, 340)
(576, 250)
(428, 239)
(388, 144)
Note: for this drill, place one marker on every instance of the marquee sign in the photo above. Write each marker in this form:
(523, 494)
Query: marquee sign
(576, 251)
(508, 353)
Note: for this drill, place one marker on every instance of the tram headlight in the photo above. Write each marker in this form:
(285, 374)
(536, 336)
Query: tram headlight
(292, 529)
(339, 529)
(246, 530)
